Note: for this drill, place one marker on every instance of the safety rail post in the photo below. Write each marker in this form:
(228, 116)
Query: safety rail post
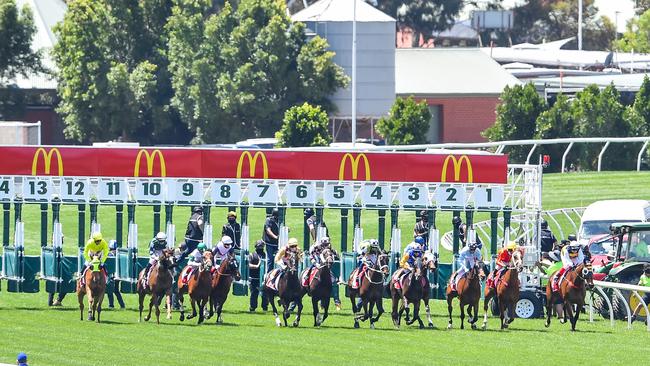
(206, 211)
(456, 238)
(282, 210)
(319, 216)
(6, 219)
(356, 215)
(381, 227)
(243, 208)
(119, 223)
(469, 218)
(640, 155)
(494, 232)
(564, 155)
(56, 210)
(344, 229)
(81, 224)
(43, 224)
(130, 212)
(602, 152)
(431, 215)
(156, 219)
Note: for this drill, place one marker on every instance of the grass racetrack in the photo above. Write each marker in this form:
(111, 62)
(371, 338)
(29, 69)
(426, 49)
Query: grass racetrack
(55, 336)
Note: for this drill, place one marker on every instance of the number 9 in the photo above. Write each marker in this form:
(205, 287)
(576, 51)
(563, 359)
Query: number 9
(188, 189)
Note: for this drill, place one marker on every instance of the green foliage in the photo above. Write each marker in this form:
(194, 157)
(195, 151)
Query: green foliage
(407, 122)
(537, 21)
(516, 117)
(16, 32)
(236, 71)
(422, 16)
(640, 111)
(637, 35)
(304, 125)
(557, 122)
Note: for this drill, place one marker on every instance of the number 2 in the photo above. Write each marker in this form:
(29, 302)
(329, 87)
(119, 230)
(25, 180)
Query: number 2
(452, 194)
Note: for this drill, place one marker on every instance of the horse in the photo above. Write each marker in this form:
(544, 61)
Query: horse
(468, 292)
(319, 287)
(198, 287)
(95, 286)
(222, 279)
(429, 263)
(159, 285)
(572, 292)
(289, 290)
(505, 292)
(412, 289)
(371, 291)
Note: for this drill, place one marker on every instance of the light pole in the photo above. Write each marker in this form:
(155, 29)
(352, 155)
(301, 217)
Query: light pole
(354, 73)
(580, 25)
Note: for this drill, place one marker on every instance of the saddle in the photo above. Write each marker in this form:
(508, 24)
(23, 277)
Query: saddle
(305, 279)
(186, 273)
(357, 274)
(493, 279)
(272, 279)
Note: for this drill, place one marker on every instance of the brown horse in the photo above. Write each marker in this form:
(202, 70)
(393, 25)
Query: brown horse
(222, 279)
(198, 287)
(468, 292)
(572, 293)
(289, 291)
(370, 291)
(159, 285)
(95, 286)
(506, 292)
(430, 264)
(411, 291)
(320, 286)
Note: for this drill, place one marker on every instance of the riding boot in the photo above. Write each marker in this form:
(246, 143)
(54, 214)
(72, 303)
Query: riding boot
(145, 277)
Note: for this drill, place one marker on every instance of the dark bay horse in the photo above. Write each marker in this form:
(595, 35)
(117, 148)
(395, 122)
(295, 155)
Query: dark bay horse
(571, 295)
(95, 286)
(289, 290)
(159, 285)
(506, 292)
(468, 292)
(412, 287)
(198, 287)
(320, 286)
(222, 279)
(371, 291)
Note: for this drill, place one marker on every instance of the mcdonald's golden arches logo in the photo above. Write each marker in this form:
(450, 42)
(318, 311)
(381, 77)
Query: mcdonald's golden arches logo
(458, 164)
(354, 163)
(149, 158)
(47, 160)
(252, 164)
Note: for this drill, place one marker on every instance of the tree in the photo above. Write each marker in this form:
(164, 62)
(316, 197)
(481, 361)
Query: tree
(637, 35)
(16, 33)
(641, 6)
(304, 125)
(407, 122)
(113, 77)
(641, 109)
(236, 71)
(516, 117)
(422, 16)
(556, 122)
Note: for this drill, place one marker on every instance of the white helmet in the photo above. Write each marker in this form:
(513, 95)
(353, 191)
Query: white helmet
(161, 236)
(226, 240)
(325, 240)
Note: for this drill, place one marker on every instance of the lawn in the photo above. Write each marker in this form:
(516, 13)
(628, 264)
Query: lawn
(55, 336)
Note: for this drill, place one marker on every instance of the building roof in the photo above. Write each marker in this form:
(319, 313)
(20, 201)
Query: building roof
(46, 14)
(631, 82)
(465, 71)
(460, 30)
(340, 11)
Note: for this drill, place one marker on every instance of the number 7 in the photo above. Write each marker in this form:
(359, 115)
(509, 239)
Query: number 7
(264, 187)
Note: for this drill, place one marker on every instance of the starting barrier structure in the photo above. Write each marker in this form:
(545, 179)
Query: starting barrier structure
(517, 193)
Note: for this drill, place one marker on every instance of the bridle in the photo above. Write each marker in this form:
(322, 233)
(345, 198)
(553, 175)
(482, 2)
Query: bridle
(382, 269)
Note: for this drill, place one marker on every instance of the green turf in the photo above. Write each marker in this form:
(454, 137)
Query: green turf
(57, 337)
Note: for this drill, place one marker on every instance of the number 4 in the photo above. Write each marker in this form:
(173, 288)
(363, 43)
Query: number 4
(4, 186)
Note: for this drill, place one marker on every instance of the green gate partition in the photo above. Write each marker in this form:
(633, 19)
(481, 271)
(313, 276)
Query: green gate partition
(126, 268)
(443, 273)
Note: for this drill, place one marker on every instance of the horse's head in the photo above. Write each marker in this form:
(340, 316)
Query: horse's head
(418, 267)
(233, 266)
(587, 275)
(382, 262)
(328, 257)
(292, 265)
(477, 271)
(430, 261)
(207, 260)
(167, 260)
(516, 261)
(96, 264)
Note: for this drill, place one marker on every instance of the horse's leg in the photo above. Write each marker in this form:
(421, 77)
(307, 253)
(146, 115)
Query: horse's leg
(193, 303)
(202, 303)
(574, 319)
(152, 301)
(549, 306)
(462, 315)
(271, 299)
(416, 313)
(99, 307)
(157, 305)
(395, 313)
(91, 307)
(488, 296)
(449, 308)
(502, 314)
(314, 304)
(380, 310)
(180, 302)
(211, 305)
(326, 305)
(355, 310)
(365, 311)
(285, 311)
(80, 297)
(168, 304)
(371, 309)
(298, 301)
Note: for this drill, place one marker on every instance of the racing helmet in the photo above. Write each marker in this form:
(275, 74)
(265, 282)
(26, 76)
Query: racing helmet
(112, 245)
(512, 245)
(419, 240)
(472, 246)
(293, 242)
(97, 236)
(197, 209)
(226, 240)
(201, 247)
(544, 224)
(161, 236)
(325, 240)
(309, 212)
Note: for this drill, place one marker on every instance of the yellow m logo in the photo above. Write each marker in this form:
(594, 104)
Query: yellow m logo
(354, 163)
(252, 163)
(47, 159)
(149, 159)
(458, 163)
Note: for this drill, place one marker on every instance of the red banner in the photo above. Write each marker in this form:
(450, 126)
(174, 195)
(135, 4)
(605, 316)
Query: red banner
(258, 164)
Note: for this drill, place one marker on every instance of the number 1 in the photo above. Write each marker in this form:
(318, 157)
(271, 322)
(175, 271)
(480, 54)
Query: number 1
(489, 194)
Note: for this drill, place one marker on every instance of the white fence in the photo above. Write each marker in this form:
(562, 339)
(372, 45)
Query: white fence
(636, 291)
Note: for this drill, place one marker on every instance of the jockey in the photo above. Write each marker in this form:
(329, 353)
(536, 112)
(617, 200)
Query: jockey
(316, 250)
(95, 246)
(411, 253)
(468, 257)
(572, 255)
(368, 252)
(503, 260)
(283, 255)
(418, 242)
(156, 247)
(222, 250)
(195, 260)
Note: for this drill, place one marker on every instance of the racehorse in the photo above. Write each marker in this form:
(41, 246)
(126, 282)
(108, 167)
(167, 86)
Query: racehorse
(468, 292)
(288, 290)
(222, 279)
(430, 263)
(371, 291)
(506, 292)
(198, 287)
(159, 285)
(411, 291)
(319, 286)
(572, 292)
(95, 286)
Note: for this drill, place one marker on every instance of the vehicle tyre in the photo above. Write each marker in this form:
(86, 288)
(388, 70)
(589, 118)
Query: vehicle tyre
(529, 306)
